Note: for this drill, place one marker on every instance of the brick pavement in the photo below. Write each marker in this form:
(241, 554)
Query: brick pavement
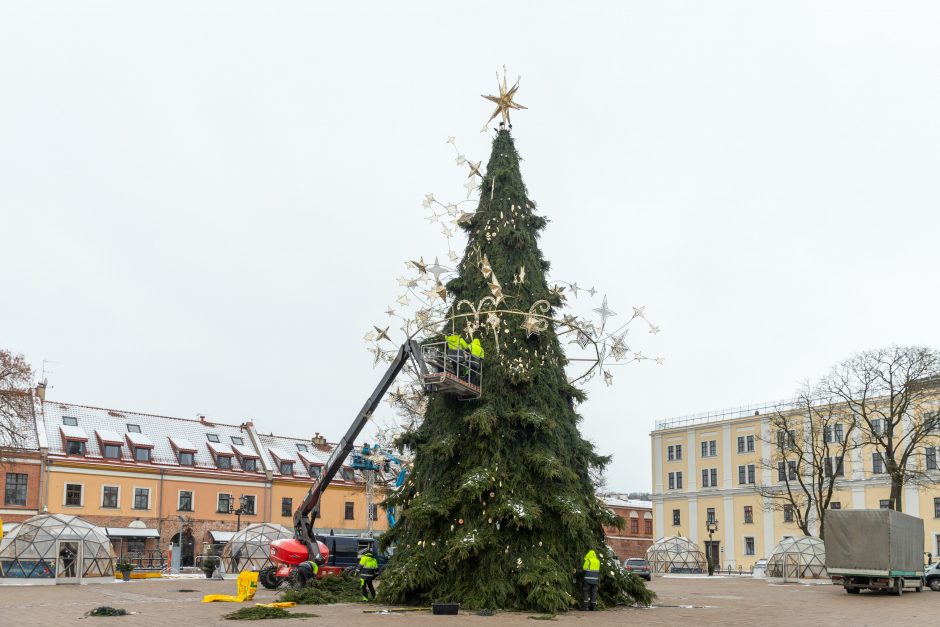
(719, 601)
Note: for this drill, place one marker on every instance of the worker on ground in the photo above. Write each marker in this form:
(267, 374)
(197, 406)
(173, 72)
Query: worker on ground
(592, 573)
(457, 349)
(306, 572)
(368, 570)
(476, 361)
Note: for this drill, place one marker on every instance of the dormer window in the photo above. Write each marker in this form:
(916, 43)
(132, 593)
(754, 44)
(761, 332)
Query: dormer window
(73, 439)
(315, 471)
(75, 447)
(224, 462)
(185, 451)
(222, 453)
(347, 474)
(186, 458)
(69, 421)
(212, 437)
(140, 444)
(110, 443)
(111, 451)
(250, 465)
(287, 468)
(302, 447)
(132, 428)
(142, 454)
(237, 440)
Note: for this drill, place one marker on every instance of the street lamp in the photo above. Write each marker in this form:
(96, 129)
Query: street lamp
(711, 525)
(242, 509)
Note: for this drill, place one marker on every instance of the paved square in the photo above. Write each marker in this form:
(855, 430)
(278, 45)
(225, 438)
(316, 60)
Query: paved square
(682, 601)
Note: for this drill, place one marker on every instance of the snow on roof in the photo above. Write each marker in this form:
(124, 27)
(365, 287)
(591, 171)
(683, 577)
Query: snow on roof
(182, 444)
(108, 437)
(245, 451)
(280, 456)
(73, 433)
(221, 449)
(312, 458)
(614, 501)
(139, 440)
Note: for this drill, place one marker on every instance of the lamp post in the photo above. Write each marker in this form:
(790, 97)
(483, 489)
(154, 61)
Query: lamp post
(242, 509)
(711, 525)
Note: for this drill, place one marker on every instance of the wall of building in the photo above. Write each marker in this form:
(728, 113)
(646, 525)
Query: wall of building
(21, 463)
(626, 542)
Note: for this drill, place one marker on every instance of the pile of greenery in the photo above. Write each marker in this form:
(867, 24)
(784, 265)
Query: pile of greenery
(105, 610)
(499, 509)
(331, 589)
(263, 613)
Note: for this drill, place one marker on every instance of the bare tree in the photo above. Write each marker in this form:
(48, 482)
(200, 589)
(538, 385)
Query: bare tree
(15, 401)
(892, 393)
(810, 440)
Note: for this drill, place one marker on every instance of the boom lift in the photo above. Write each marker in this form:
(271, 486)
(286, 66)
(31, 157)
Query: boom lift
(452, 372)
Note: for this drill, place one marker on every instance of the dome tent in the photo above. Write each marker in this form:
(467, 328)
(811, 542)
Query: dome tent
(801, 557)
(675, 554)
(31, 550)
(248, 549)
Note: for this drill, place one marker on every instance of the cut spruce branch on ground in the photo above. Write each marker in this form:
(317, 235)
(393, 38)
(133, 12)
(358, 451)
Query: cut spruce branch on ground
(105, 610)
(338, 589)
(264, 613)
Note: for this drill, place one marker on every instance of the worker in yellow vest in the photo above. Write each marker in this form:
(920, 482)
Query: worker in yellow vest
(592, 574)
(368, 570)
(457, 349)
(476, 361)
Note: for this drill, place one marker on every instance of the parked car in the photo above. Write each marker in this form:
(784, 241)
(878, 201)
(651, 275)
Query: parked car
(932, 576)
(638, 566)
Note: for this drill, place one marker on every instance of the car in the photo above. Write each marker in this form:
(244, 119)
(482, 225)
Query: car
(932, 576)
(638, 566)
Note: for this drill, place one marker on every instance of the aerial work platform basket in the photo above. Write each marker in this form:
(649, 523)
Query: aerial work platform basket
(452, 371)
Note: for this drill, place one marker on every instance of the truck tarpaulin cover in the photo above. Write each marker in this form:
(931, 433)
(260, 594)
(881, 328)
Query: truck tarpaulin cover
(874, 539)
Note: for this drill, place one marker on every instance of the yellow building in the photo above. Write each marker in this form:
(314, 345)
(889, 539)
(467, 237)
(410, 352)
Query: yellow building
(719, 466)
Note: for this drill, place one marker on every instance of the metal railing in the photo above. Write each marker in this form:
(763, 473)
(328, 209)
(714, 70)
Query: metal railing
(725, 414)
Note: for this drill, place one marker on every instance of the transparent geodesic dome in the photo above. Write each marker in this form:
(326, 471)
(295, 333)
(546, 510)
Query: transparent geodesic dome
(675, 554)
(47, 543)
(801, 557)
(249, 548)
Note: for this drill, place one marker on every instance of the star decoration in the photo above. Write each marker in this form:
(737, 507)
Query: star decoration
(378, 355)
(608, 378)
(452, 210)
(638, 356)
(654, 329)
(604, 312)
(382, 334)
(592, 291)
(519, 279)
(402, 281)
(492, 319)
(531, 326)
(451, 139)
(368, 337)
(428, 200)
(460, 160)
(471, 186)
(638, 311)
(475, 169)
(504, 102)
(436, 269)
(660, 360)
(420, 265)
(464, 217)
(432, 218)
(446, 232)
(390, 311)
(486, 268)
(569, 320)
(453, 256)
(440, 291)
(574, 289)
(403, 300)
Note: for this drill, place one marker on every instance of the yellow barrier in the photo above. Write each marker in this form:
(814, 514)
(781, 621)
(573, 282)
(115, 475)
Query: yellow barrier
(141, 575)
(247, 586)
(277, 604)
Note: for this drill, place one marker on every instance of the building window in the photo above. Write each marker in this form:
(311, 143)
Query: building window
(634, 526)
(287, 468)
(248, 505)
(678, 481)
(931, 455)
(73, 494)
(839, 434)
(69, 421)
(223, 461)
(742, 475)
(786, 439)
(676, 517)
(287, 506)
(788, 513)
(237, 440)
(877, 426)
(250, 464)
(709, 448)
(224, 505)
(936, 507)
(709, 477)
(185, 501)
(373, 512)
(349, 511)
(834, 462)
(675, 481)
(746, 444)
(710, 515)
(186, 458)
(112, 451)
(132, 428)
(75, 447)
(212, 437)
(674, 452)
(781, 473)
(884, 504)
(748, 514)
(705, 477)
(315, 471)
(109, 496)
(751, 473)
(141, 498)
(877, 463)
(15, 492)
(347, 474)
(835, 505)
(302, 447)
(748, 545)
(142, 454)
(791, 471)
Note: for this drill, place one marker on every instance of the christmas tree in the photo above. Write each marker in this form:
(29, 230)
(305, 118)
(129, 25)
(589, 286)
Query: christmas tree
(499, 508)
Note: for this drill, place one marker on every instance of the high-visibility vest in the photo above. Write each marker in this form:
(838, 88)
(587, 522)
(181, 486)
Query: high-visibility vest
(368, 567)
(592, 567)
(453, 342)
(476, 349)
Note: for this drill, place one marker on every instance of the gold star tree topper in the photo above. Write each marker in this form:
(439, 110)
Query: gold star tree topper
(504, 101)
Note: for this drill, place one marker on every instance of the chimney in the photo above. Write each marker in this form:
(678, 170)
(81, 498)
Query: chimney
(318, 440)
(41, 390)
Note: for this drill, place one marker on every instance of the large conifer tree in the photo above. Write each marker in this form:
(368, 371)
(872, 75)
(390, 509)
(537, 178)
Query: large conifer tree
(499, 508)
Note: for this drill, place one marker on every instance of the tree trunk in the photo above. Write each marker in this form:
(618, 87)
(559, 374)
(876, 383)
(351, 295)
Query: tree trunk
(896, 488)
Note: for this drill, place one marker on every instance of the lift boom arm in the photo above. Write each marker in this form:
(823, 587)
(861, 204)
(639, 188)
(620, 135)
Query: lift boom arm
(309, 508)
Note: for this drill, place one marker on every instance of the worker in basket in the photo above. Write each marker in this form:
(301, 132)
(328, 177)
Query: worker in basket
(592, 573)
(368, 570)
(476, 361)
(457, 355)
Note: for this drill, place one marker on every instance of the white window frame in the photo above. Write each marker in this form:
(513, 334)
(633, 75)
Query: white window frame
(255, 503)
(118, 505)
(231, 500)
(192, 500)
(753, 550)
(134, 498)
(65, 492)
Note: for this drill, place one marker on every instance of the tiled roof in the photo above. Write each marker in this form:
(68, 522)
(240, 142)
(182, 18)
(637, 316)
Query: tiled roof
(285, 449)
(614, 501)
(156, 430)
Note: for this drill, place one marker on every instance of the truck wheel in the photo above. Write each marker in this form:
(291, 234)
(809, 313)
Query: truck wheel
(853, 590)
(934, 584)
(899, 586)
(268, 578)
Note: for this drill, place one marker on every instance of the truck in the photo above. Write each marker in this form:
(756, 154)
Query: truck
(875, 549)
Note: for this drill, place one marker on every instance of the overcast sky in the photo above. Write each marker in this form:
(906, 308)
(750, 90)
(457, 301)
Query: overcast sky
(204, 205)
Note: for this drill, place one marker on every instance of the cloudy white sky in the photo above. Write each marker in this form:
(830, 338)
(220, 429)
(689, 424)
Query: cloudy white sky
(204, 205)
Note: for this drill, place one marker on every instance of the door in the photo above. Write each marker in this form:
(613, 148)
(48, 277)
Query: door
(791, 568)
(712, 551)
(68, 561)
(185, 550)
